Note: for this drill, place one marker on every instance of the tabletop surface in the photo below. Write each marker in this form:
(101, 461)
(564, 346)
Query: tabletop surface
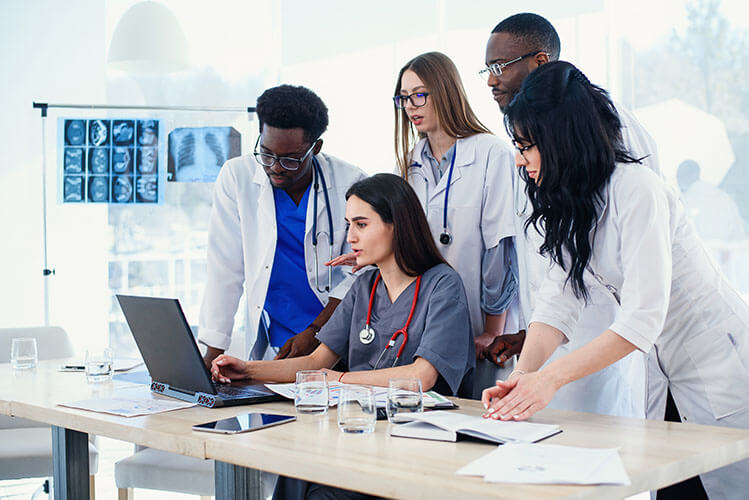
(654, 453)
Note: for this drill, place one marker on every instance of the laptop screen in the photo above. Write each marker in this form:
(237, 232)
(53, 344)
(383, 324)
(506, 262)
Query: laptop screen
(166, 343)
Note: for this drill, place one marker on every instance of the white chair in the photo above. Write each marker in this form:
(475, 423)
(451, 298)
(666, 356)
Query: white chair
(25, 445)
(160, 470)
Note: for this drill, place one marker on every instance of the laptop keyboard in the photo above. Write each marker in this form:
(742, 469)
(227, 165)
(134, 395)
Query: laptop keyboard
(234, 392)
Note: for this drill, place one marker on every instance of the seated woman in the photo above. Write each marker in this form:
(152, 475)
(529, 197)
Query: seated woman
(411, 287)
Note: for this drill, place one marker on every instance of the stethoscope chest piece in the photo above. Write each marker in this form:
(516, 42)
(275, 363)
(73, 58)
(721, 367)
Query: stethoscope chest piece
(445, 237)
(366, 335)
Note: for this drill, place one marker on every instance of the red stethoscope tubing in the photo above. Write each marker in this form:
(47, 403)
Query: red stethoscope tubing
(403, 331)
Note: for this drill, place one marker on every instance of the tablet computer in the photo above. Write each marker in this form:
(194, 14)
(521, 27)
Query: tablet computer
(244, 423)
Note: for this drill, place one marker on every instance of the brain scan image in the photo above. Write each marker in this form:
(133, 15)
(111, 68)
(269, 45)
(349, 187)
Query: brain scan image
(98, 132)
(73, 162)
(146, 189)
(98, 160)
(122, 189)
(98, 188)
(75, 132)
(123, 132)
(73, 188)
(148, 132)
(147, 160)
(122, 160)
(109, 160)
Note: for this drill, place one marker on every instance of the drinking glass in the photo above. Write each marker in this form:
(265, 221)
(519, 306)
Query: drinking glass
(99, 365)
(23, 354)
(357, 410)
(311, 392)
(404, 398)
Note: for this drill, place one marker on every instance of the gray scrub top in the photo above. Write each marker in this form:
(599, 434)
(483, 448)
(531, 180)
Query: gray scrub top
(439, 332)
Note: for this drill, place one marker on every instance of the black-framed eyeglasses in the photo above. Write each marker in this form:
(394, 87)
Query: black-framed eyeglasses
(497, 68)
(286, 162)
(522, 149)
(418, 99)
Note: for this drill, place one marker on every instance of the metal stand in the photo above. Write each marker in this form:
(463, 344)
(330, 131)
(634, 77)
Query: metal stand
(43, 107)
(70, 464)
(234, 482)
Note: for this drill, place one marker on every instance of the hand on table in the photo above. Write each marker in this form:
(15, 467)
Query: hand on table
(503, 348)
(347, 259)
(226, 368)
(519, 397)
(301, 344)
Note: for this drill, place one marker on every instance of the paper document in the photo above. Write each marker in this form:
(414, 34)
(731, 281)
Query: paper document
(445, 426)
(549, 464)
(118, 365)
(431, 398)
(130, 402)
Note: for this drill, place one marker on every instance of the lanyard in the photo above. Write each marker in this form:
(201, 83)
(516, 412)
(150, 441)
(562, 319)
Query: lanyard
(367, 334)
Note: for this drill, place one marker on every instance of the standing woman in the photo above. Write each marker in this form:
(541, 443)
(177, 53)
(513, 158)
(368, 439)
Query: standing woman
(610, 223)
(462, 175)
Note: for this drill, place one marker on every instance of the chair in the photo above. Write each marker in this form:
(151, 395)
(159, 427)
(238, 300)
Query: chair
(160, 470)
(25, 445)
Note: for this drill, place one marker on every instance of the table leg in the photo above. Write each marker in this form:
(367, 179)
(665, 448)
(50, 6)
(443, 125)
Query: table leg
(69, 464)
(237, 482)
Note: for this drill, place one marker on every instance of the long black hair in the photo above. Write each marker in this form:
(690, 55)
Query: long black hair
(396, 203)
(577, 131)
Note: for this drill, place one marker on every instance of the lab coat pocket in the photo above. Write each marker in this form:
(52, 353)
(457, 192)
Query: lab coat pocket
(724, 375)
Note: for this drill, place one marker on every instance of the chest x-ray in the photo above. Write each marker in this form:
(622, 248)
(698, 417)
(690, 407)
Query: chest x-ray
(196, 154)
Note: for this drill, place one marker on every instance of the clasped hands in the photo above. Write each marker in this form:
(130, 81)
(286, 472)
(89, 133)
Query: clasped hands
(518, 397)
(498, 348)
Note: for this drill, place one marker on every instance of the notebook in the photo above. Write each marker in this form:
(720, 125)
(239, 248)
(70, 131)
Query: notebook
(171, 354)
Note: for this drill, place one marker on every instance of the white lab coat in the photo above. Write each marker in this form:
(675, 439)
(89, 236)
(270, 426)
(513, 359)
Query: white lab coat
(673, 301)
(480, 215)
(479, 209)
(242, 245)
(619, 389)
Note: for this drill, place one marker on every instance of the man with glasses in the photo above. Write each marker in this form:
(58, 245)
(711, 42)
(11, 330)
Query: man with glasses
(273, 212)
(517, 46)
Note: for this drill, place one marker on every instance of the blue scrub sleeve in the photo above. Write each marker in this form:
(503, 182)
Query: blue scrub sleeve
(447, 340)
(499, 277)
(335, 333)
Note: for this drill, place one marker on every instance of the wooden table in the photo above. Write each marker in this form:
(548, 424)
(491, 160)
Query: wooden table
(655, 454)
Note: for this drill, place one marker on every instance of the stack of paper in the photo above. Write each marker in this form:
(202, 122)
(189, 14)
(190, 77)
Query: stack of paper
(549, 464)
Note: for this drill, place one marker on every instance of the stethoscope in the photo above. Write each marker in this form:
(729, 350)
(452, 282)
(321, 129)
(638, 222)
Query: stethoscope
(445, 237)
(367, 334)
(318, 176)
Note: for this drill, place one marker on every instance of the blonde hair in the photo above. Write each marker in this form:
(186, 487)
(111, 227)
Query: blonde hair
(455, 116)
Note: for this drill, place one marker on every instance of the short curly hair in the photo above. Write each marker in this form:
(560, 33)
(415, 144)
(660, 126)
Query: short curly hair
(289, 106)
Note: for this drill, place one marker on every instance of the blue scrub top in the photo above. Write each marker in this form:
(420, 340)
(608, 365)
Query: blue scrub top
(290, 302)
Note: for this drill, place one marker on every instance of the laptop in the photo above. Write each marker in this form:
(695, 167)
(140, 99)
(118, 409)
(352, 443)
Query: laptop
(171, 355)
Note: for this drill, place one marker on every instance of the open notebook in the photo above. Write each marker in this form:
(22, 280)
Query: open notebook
(445, 426)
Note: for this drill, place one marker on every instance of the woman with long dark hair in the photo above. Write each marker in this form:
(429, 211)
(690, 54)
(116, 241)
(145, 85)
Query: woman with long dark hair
(387, 229)
(610, 224)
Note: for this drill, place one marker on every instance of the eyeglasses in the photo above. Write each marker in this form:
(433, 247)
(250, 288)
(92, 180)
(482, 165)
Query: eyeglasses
(286, 162)
(418, 99)
(522, 149)
(497, 68)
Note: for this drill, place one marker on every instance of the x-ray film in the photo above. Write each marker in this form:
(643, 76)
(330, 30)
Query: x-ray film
(109, 161)
(196, 154)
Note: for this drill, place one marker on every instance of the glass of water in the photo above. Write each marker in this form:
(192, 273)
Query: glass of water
(23, 355)
(404, 398)
(357, 410)
(99, 365)
(311, 392)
